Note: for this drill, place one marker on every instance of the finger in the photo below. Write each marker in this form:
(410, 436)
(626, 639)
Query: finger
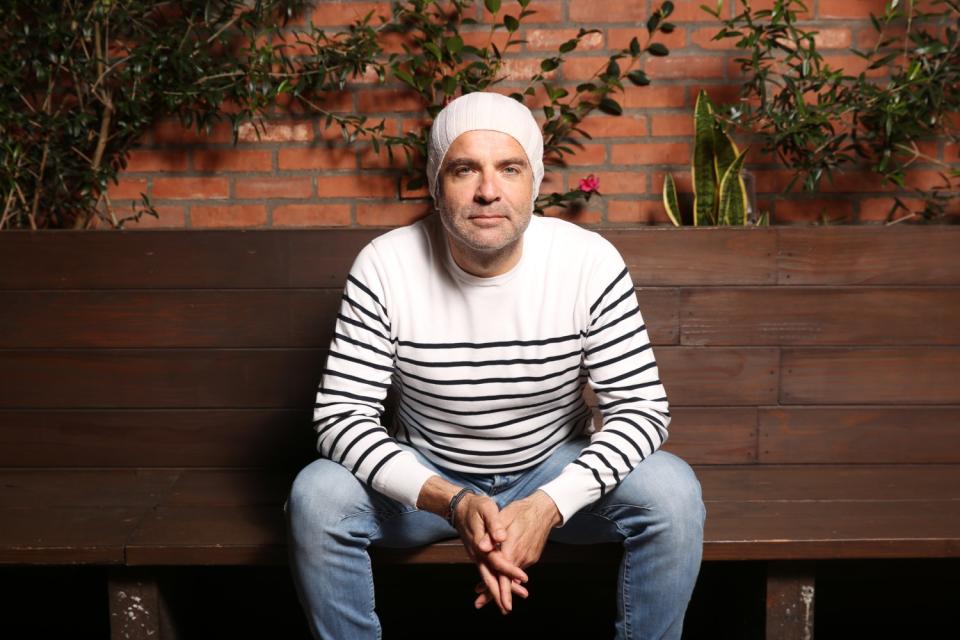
(500, 563)
(483, 597)
(493, 586)
(492, 522)
(506, 593)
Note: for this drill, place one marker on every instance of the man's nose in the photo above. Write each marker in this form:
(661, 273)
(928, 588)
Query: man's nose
(488, 190)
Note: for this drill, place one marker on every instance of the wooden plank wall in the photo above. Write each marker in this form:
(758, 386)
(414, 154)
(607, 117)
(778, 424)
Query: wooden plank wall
(204, 348)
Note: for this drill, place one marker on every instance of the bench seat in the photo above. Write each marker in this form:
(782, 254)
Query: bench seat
(233, 517)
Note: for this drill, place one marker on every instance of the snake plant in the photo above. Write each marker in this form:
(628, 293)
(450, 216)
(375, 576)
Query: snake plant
(719, 193)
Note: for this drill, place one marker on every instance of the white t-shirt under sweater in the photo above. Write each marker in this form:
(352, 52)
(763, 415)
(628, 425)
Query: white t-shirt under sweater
(490, 371)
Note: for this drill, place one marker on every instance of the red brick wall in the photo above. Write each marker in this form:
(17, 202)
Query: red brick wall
(298, 175)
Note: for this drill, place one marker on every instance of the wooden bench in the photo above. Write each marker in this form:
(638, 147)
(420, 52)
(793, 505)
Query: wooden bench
(157, 392)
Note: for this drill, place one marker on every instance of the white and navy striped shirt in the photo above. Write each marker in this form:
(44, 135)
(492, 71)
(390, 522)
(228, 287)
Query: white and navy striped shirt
(490, 371)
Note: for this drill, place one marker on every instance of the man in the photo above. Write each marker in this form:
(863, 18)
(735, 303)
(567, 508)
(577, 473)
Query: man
(489, 321)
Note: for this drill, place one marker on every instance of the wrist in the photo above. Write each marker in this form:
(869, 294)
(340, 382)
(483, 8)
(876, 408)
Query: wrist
(548, 508)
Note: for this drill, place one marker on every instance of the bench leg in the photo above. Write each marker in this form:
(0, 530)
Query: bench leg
(137, 608)
(790, 591)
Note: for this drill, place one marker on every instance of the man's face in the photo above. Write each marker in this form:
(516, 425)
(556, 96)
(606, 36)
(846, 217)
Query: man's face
(486, 190)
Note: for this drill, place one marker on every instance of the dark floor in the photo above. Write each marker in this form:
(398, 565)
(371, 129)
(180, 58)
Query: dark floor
(889, 599)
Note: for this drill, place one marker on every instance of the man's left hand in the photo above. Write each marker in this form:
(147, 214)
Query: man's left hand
(528, 523)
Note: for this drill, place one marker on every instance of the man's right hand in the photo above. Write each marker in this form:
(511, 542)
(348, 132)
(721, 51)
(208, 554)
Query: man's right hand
(481, 531)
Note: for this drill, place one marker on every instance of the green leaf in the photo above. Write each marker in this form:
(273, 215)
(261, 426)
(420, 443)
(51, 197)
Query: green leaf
(733, 195)
(434, 49)
(638, 78)
(658, 49)
(703, 169)
(511, 23)
(454, 44)
(492, 5)
(613, 69)
(611, 106)
(634, 47)
(568, 46)
(549, 64)
(670, 202)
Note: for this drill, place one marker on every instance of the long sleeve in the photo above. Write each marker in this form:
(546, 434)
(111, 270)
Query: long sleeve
(349, 403)
(623, 373)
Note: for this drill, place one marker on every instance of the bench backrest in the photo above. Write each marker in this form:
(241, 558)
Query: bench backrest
(204, 348)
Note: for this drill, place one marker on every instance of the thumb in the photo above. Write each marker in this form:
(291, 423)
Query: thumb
(492, 522)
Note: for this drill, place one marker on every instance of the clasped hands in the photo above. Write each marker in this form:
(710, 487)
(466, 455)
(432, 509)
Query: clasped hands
(503, 543)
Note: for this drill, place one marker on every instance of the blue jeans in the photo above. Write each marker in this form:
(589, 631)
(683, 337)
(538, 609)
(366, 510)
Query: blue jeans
(656, 512)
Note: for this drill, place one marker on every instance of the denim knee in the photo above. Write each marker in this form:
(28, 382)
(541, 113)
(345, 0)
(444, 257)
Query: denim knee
(322, 494)
(669, 489)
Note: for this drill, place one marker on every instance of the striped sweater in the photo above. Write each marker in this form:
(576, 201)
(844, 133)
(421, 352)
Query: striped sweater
(490, 371)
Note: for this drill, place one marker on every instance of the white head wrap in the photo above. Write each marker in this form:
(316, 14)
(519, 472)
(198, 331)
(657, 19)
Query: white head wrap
(484, 110)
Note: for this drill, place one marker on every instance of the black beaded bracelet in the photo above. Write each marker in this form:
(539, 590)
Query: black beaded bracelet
(454, 501)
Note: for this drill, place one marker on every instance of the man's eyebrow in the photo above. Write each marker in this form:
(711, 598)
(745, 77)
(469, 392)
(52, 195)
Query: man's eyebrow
(470, 162)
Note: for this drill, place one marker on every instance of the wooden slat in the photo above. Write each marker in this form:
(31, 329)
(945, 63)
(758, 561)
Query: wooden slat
(209, 535)
(715, 435)
(860, 435)
(47, 488)
(279, 438)
(808, 316)
(868, 255)
(212, 318)
(155, 378)
(66, 535)
(829, 483)
(168, 318)
(832, 529)
(186, 259)
(719, 375)
(689, 255)
(907, 375)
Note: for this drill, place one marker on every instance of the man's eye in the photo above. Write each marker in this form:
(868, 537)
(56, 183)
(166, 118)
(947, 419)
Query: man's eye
(461, 170)
(512, 169)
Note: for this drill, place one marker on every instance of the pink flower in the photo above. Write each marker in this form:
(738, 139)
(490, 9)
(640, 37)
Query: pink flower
(590, 184)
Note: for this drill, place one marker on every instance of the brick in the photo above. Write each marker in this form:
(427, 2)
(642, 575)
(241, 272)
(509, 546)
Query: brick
(389, 100)
(692, 11)
(653, 96)
(853, 65)
(362, 186)
(877, 209)
(833, 38)
(650, 153)
(172, 132)
(274, 188)
(170, 217)
(217, 160)
(316, 158)
(703, 38)
(925, 179)
(220, 216)
(333, 13)
(637, 211)
(127, 189)
(588, 155)
(620, 38)
(612, 182)
(812, 210)
(611, 11)
(604, 126)
(585, 214)
(522, 69)
(551, 39)
(157, 161)
(311, 215)
(484, 38)
(767, 5)
(391, 214)
(859, 9)
(369, 159)
(685, 67)
(584, 68)
(190, 188)
(545, 11)
(671, 124)
(276, 132)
